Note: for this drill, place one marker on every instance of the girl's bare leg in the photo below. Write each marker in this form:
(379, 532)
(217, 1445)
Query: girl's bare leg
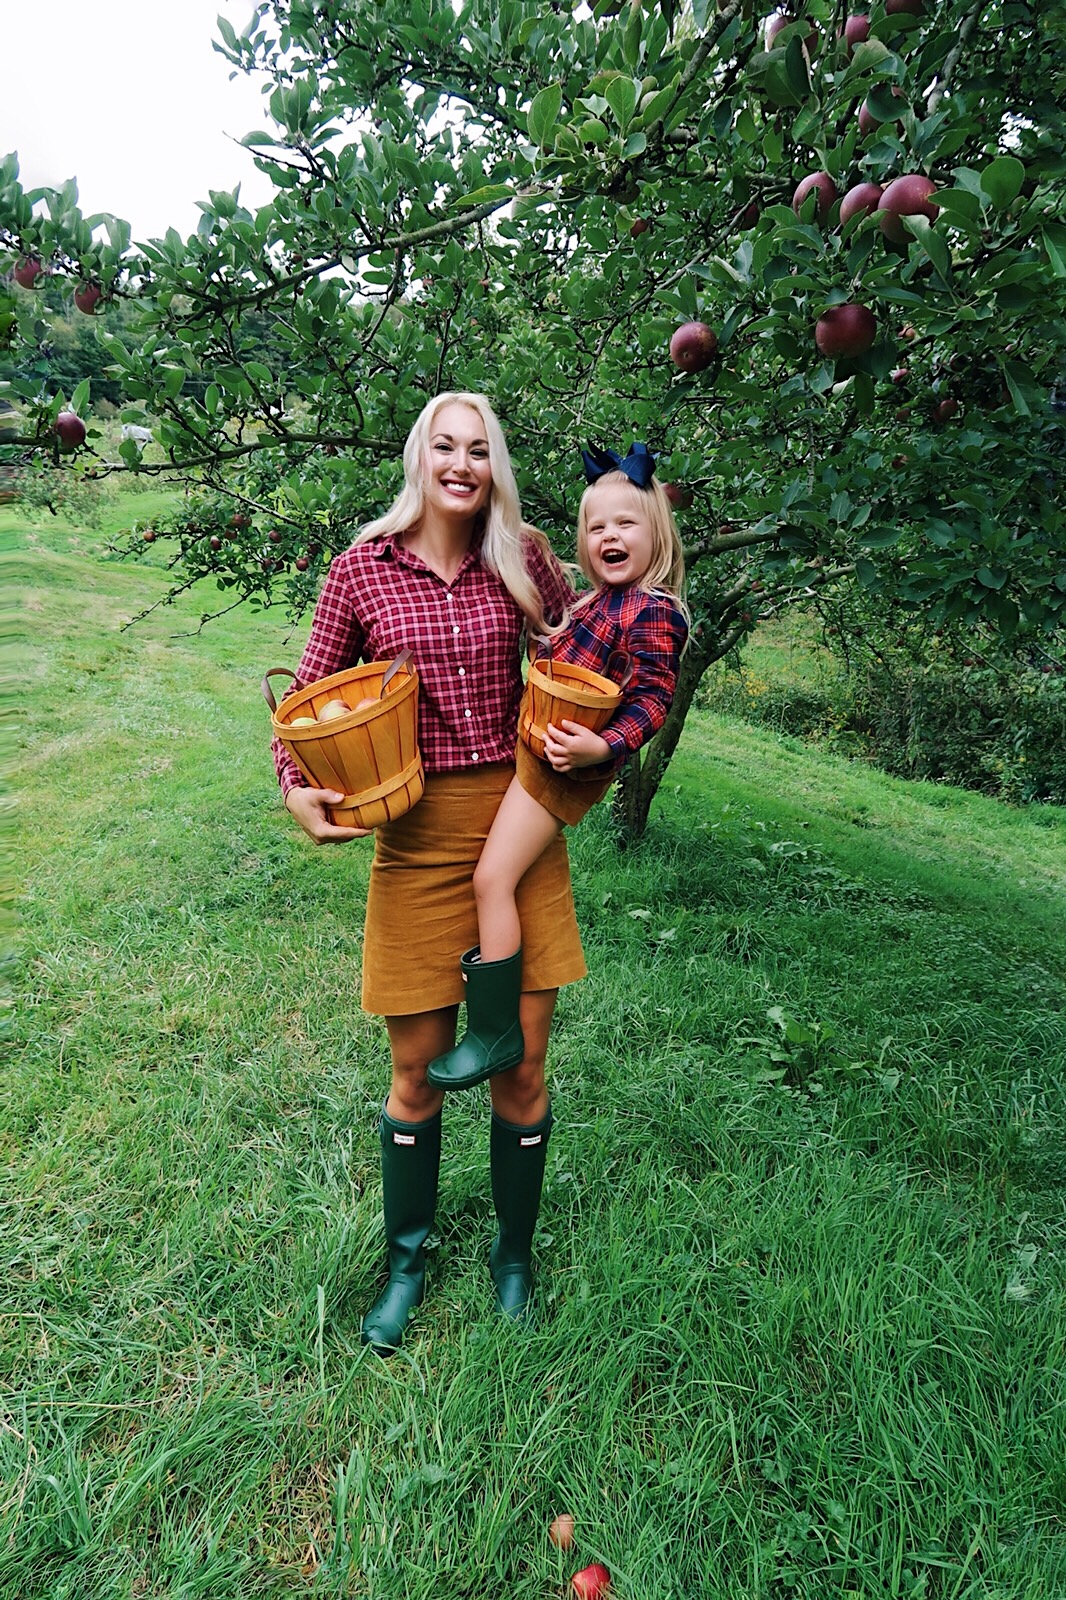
(520, 834)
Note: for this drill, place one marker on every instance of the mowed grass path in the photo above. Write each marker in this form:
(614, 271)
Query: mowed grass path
(802, 1239)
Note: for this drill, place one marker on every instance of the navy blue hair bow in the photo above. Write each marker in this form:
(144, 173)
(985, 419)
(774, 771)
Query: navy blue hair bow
(638, 465)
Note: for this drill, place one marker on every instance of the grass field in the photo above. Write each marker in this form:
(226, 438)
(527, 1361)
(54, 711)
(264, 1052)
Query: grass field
(802, 1241)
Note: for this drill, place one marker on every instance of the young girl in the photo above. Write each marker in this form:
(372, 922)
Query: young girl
(628, 546)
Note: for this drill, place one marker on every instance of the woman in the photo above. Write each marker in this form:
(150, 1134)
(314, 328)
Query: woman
(451, 572)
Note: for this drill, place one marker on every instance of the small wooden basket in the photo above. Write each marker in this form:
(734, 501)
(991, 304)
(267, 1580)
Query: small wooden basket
(558, 691)
(371, 755)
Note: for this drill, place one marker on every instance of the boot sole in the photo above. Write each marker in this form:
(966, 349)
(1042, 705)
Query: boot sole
(472, 1079)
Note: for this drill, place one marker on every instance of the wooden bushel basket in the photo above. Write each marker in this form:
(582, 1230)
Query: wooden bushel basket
(371, 755)
(558, 691)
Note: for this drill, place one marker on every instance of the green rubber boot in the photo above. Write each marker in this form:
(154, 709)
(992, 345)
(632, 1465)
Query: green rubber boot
(410, 1166)
(517, 1157)
(493, 1039)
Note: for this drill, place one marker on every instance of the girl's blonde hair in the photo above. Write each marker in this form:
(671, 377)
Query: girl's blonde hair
(667, 569)
(504, 534)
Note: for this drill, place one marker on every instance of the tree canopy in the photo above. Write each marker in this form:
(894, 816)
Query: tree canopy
(530, 199)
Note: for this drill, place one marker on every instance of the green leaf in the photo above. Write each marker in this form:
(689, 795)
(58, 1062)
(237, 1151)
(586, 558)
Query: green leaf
(931, 242)
(747, 127)
(881, 536)
(544, 114)
(1058, 265)
(622, 96)
(80, 398)
(212, 398)
(173, 379)
(489, 195)
(1002, 179)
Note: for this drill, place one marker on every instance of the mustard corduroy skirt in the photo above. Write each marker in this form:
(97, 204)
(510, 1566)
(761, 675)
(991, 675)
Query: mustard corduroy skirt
(568, 799)
(420, 911)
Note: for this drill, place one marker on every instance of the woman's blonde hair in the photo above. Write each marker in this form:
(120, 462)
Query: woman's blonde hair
(667, 569)
(504, 534)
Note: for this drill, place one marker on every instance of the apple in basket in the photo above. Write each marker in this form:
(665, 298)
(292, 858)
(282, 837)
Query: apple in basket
(303, 722)
(334, 708)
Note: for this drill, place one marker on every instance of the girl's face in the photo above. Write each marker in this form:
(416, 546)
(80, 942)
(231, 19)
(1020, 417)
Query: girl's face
(618, 535)
(458, 473)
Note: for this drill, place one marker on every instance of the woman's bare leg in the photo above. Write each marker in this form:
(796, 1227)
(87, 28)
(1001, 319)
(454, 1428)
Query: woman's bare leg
(521, 1095)
(520, 834)
(414, 1042)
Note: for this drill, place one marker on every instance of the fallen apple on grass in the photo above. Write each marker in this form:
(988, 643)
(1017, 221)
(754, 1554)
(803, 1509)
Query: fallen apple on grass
(561, 1531)
(591, 1583)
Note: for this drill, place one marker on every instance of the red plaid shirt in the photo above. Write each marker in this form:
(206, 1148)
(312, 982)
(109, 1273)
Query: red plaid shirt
(379, 598)
(651, 630)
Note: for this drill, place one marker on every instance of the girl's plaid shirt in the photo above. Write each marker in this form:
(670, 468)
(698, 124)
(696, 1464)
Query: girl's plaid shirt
(648, 627)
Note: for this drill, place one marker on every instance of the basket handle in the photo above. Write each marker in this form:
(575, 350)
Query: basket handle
(268, 693)
(622, 661)
(540, 652)
(401, 661)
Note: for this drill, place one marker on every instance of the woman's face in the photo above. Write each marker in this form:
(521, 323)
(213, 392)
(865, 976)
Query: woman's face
(458, 473)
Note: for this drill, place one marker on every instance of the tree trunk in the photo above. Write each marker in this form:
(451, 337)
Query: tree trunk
(639, 780)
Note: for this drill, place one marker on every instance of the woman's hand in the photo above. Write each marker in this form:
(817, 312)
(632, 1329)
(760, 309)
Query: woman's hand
(309, 807)
(571, 746)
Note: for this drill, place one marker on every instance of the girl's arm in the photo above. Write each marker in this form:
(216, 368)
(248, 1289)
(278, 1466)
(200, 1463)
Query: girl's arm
(655, 636)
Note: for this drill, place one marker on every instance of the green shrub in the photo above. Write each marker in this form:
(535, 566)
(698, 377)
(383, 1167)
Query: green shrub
(999, 733)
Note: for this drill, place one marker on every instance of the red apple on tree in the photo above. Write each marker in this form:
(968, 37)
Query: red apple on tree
(860, 200)
(908, 196)
(87, 296)
(679, 497)
(215, 542)
(27, 271)
(856, 31)
(868, 121)
(945, 410)
(70, 431)
(301, 563)
(827, 193)
(847, 330)
(693, 346)
(640, 225)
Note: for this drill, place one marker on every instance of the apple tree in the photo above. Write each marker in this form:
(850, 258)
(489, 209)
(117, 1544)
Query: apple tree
(816, 260)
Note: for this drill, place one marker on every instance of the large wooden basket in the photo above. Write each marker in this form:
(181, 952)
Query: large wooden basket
(558, 691)
(371, 755)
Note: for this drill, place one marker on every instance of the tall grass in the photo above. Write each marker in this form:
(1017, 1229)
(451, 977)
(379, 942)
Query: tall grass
(801, 1249)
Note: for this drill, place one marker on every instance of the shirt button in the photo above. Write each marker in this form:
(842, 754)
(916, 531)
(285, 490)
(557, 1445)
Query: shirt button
(450, 596)
(468, 713)
(473, 755)
(462, 672)
(455, 629)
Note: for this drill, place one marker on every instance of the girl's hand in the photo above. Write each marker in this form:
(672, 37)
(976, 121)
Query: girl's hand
(309, 807)
(571, 746)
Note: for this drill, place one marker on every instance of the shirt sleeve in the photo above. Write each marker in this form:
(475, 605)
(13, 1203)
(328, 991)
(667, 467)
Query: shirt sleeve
(549, 575)
(336, 641)
(655, 638)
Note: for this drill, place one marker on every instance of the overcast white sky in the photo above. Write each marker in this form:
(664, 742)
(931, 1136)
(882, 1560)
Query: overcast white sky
(128, 97)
